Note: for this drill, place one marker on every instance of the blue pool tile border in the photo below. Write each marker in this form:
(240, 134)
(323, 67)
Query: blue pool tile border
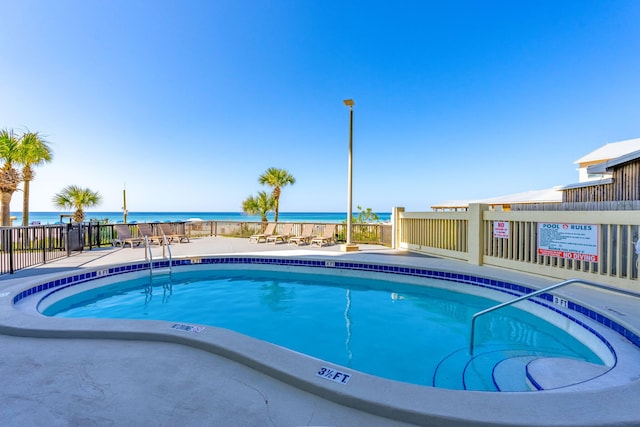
(516, 290)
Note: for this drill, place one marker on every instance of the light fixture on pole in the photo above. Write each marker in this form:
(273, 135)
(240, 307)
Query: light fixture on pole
(349, 246)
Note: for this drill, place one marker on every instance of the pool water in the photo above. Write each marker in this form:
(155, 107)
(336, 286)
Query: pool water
(414, 334)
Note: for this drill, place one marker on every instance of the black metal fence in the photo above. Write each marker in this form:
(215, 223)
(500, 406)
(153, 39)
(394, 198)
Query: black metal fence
(22, 247)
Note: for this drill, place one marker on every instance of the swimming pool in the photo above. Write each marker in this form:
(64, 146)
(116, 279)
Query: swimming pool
(396, 400)
(414, 334)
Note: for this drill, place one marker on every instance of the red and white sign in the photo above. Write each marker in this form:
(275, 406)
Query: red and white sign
(501, 229)
(571, 241)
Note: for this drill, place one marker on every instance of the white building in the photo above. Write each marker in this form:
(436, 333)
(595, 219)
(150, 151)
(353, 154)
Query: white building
(587, 176)
(608, 151)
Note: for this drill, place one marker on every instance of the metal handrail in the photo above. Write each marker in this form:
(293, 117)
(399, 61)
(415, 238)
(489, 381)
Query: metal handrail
(166, 248)
(165, 244)
(147, 255)
(536, 293)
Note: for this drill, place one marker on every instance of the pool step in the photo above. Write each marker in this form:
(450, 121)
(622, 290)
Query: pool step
(449, 372)
(478, 373)
(549, 373)
(511, 374)
(491, 369)
(460, 372)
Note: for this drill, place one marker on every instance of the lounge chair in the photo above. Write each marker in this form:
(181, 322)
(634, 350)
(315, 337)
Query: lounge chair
(281, 237)
(328, 235)
(304, 237)
(268, 231)
(167, 231)
(124, 236)
(146, 231)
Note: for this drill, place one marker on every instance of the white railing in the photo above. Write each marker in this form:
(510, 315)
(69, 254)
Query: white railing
(469, 236)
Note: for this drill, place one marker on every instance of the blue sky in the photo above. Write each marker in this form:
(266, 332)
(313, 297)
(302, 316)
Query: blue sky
(188, 102)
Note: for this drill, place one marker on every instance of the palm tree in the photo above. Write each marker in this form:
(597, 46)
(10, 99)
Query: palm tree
(74, 197)
(9, 175)
(276, 178)
(33, 151)
(261, 204)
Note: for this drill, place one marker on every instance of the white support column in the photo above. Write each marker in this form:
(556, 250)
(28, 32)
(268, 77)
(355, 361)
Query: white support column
(476, 232)
(395, 227)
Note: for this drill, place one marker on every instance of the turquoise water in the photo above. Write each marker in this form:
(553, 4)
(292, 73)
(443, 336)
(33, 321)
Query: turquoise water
(114, 217)
(396, 331)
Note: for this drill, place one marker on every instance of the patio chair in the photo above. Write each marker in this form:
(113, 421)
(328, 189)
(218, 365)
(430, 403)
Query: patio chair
(145, 230)
(328, 236)
(281, 237)
(304, 237)
(124, 236)
(268, 231)
(167, 230)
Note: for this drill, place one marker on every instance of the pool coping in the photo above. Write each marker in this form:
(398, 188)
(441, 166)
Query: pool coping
(400, 401)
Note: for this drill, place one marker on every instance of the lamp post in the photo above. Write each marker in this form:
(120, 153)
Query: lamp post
(124, 205)
(349, 246)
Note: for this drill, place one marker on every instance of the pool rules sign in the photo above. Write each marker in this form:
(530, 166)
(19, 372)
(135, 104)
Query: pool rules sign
(571, 241)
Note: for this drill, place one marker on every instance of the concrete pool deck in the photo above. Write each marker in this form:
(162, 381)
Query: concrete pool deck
(61, 381)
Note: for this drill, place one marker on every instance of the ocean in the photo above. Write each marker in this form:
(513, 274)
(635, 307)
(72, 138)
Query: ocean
(43, 218)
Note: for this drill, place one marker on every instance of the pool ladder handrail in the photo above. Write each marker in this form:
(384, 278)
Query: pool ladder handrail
(536, 293)
(166, 248)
